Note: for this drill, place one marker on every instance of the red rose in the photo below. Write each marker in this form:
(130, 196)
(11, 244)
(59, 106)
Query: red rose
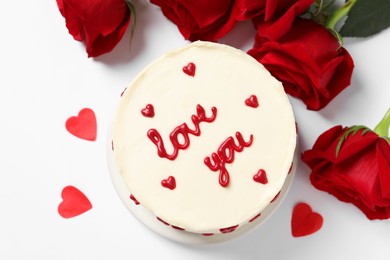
(279, 14)
(199, 20)
(307, 60)
(98, 23)
(358, 174)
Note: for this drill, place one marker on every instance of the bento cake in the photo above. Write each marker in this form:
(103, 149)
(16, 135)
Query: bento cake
(204, 138)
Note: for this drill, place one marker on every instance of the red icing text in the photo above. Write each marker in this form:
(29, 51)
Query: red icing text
(182, 130)
(225, 154)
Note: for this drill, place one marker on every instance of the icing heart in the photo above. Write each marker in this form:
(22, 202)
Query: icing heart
(83, 125)
(74, 202)
(189, 69)
(148, 111)
(304, 221)
(260, 177)
(169, 183)
(252, 101)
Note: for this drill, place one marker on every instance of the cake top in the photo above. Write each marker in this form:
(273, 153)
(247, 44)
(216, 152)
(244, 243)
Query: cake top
(204, 137)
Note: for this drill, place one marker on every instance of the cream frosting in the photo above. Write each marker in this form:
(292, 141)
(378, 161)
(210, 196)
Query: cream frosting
(171, 91)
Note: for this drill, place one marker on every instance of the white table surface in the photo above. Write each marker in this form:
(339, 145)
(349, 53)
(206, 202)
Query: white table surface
(46, 77)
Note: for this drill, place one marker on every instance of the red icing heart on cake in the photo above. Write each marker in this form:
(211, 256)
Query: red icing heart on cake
(252, 101)
(148, 111)
(189, 69)
(74, 202)
(260, 177)
(83, 125)
(169, 183)
(304, 221)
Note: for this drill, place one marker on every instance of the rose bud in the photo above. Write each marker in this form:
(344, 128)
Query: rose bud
(100, 24)
(308, 60)
(353, 164)
(199, 20)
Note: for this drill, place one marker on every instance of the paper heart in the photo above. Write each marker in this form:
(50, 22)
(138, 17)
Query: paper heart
(169, 183)
(260, 177)
(252, 101)
(148, 111)
(189, 69)
(74, 202)
(304, 221)
(83, 125)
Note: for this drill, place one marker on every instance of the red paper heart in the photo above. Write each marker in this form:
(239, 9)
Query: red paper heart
(83, 125)
(189, 69)
(74, 202)
(260, 177)
(252, 101)
(148, 111)
(169, 183)
(304, 221)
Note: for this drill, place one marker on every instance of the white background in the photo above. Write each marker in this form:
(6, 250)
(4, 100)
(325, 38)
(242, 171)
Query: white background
(46, 77)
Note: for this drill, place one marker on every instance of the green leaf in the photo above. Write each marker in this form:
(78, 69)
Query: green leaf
(352, 130)
(366, 18)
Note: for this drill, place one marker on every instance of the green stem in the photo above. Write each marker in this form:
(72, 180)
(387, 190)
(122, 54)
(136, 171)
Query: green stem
(339, 14)
(382, 129)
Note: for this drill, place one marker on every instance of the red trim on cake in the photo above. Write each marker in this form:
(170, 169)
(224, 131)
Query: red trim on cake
(162, 221)
(123, 92)
(207, 234)
(255, 217)
(291, 166)
(276, 196)
(134, 199)
(228, 229)
(178, 228)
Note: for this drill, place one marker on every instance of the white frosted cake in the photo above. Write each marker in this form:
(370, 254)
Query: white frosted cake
(204, 138)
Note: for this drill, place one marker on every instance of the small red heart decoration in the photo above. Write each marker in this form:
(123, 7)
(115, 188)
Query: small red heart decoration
(252, 101)
(148, 111)
(260, 177)
(304, 221)
(189, 69)
(74, 202)
(83, 125)
(169, 183)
